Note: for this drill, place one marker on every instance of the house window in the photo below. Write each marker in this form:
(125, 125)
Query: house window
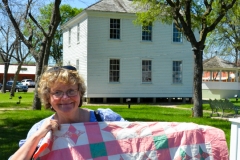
(177, 35)
(114, 70)
(177, 72)
(146, 71)
(114, 28)
(69, 37)
(147, 33)
(77, 64)
(78, 32)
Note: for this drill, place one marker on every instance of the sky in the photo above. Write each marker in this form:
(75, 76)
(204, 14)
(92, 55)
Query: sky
(79, 3)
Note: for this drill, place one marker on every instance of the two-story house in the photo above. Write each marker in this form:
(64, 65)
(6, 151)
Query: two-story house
(119, 59)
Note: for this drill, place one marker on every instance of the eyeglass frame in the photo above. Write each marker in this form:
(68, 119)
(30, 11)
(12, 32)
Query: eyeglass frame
(66, 93)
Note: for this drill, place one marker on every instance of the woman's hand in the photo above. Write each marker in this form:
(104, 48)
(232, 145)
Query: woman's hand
(48, 124)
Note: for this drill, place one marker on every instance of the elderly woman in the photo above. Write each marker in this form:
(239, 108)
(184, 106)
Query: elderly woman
(62, 90)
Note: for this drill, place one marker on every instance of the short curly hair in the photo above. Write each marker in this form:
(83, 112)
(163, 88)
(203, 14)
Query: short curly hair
(62, 74)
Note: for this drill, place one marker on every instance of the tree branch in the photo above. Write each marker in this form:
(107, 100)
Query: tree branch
(37, 24)
(15, 24)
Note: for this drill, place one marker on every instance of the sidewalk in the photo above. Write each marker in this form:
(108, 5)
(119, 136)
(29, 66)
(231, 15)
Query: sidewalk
(226, 117)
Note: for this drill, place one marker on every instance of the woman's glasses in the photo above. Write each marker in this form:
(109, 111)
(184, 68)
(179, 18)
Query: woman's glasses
(69, 93)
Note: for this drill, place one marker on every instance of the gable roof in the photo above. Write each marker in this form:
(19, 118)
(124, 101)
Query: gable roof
(217, 63)
(124, 6)
(116, 6)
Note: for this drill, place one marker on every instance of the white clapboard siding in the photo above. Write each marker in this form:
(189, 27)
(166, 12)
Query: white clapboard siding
(77, 49)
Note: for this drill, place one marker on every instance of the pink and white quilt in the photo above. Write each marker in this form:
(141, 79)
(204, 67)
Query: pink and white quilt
(134, 141)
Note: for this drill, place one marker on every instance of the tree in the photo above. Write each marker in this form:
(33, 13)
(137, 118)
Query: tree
(7, 47)
(227, 33)
(67, 12)
(188, 15)
(20, 57)
(41, 55)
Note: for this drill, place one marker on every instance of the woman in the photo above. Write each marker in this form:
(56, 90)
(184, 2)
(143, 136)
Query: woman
(62, 90)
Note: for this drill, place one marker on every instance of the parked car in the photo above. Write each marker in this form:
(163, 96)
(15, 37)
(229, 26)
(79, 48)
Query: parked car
(19, 86)
(28, 82)
(0, 86)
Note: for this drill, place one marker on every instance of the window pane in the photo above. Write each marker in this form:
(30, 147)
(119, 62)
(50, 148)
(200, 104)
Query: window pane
(78, 32)
(69, 37)
(77, 64)
(177, 72)
(147, 33)
(114, 28)
(114, 72)
(177, 35)
(146, 71)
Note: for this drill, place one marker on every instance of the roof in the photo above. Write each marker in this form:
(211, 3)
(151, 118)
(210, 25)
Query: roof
(125, 6)
(116, 6)
(24, 69)
(217, 63)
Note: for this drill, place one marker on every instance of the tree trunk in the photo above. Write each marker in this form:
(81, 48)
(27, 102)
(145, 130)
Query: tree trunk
(197, 84)
(41, 62)
(6, 66)
(36, 100)
(12, 92)
(236, 59)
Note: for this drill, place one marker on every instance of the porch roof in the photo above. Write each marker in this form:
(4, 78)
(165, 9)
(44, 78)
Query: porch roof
(216, 63)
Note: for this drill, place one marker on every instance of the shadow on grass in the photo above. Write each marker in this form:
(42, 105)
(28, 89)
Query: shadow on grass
(11, 132)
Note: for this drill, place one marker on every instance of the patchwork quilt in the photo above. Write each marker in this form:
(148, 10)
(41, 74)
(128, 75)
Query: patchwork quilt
(134, 141)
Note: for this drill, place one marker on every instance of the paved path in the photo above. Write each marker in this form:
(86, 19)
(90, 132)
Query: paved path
(226, 117)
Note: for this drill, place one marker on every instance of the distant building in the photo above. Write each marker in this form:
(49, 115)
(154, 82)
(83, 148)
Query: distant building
(27, 72)
(120, 60)
(220, 79)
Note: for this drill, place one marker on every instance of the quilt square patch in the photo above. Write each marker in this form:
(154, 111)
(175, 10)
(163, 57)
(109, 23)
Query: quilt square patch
(98, 150)
(161, 142)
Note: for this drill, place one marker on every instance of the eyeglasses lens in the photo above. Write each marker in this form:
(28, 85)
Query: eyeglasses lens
(69, 93)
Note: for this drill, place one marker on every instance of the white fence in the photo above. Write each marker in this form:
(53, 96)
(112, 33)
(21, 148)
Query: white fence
(235, 139)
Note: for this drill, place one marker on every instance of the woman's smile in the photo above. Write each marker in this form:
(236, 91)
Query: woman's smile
(66, 107)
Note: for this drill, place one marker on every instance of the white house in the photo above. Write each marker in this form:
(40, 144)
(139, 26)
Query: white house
(121, 60)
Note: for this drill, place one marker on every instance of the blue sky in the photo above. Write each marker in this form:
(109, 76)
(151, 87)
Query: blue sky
(79, 3)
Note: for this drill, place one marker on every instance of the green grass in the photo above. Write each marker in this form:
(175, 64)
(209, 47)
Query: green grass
(25, 102)
(14, 124)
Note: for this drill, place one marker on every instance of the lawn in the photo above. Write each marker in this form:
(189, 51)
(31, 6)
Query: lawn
(14, 124)
(12, 102)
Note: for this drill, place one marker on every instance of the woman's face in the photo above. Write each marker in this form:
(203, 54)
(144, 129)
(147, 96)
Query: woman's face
(64, 98)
